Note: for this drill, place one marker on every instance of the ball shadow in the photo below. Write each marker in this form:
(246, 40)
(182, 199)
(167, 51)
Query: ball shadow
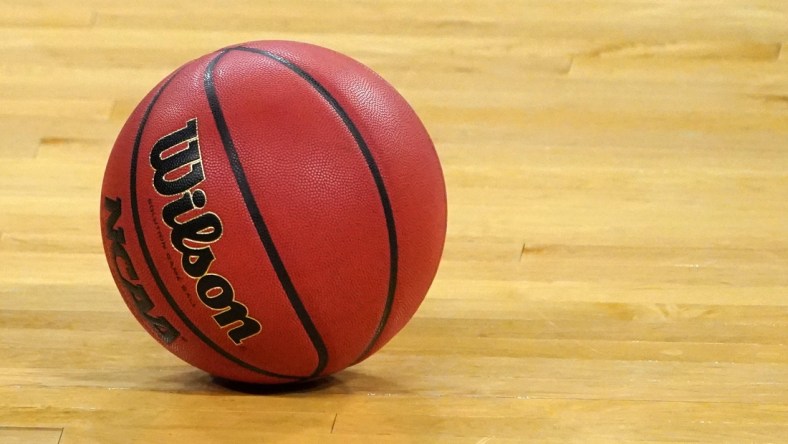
(348, 381)
(309, 386)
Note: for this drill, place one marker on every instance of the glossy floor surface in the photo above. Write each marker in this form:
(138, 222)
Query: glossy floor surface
(616, 268)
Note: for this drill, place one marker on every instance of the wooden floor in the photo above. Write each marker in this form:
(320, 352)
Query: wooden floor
(616, 268)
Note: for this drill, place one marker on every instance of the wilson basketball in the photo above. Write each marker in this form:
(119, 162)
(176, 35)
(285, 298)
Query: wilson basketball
(273, 212)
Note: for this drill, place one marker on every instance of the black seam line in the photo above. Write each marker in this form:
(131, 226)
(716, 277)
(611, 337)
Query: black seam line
(149, 259)
(259, 222)
(378, 178)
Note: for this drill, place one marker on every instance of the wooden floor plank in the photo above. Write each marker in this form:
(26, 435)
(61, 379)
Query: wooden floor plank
(30, 435)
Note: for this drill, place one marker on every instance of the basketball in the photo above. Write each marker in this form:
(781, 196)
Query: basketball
(273, 212)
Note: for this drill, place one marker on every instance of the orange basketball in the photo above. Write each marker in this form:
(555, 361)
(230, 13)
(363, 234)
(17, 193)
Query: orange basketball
(273, 212)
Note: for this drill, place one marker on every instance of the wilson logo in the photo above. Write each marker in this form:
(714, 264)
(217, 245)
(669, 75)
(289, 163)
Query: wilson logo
(127, 276)
(178, 169)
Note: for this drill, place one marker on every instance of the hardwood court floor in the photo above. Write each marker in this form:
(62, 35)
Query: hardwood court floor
(617, 261)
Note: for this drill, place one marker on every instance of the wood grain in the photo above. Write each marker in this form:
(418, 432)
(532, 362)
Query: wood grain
(32, 435)
(617, 262)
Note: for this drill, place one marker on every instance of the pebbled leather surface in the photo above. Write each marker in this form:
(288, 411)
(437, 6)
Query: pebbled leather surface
(316, 194)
